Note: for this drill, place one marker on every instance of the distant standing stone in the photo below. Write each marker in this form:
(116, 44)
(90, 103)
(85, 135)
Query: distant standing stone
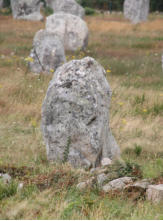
(136, 10)
(47, 53)
(67, 6)
(75, 115)
(155, 193)
(71, 29)
(26, 9)
(1, 4)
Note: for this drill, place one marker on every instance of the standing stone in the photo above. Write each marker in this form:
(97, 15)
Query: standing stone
(75, 115)
(67, 6)
(47, 53)
(1, 4)
(26, 9)
(136, 10)
(71, 29)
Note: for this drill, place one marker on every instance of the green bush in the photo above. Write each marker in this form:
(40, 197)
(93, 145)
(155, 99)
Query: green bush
(7, 190)
(5, 11)
(48, 11)
(89, 11)
(117, 5)
(137, 150)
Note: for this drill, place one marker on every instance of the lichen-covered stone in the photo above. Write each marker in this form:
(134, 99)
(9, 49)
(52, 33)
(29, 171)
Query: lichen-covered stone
(26, 9)
(136, 10)
(75, 115)
(47, 53)
(67, 6)
(71, 29)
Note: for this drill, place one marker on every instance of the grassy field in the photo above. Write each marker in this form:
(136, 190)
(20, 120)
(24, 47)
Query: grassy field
(133, 55)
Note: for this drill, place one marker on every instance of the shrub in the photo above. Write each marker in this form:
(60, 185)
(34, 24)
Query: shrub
(7, 190)
(48, 11)
(137, 150)
(89, 11)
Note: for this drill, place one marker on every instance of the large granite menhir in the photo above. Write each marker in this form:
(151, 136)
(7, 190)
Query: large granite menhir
(136, 10)
(75, 115)
(67, 6)
(26, 9)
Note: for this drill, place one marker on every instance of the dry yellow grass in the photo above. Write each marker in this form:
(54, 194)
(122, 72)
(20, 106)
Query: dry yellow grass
(133, 54)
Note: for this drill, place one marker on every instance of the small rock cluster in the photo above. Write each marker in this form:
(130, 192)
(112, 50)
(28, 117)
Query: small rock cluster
(107, 180)
(6, 179)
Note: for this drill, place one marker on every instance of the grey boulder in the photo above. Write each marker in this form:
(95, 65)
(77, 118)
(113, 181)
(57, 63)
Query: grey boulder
(26, 9)
(67, 6)
(71, 29)
(136, 10)
(6, 178)
(47, 53)
(75, 115)
(155, 193)
(117, 184)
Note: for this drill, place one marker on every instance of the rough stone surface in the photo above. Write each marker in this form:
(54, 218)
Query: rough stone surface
(6, 178)
(155, 193)
(136, 10)
(75, 115)
(106, 162)
(67, 6)
(71, 29)
(142, 184)
(26, 9)
(47, 53)
(117, 184)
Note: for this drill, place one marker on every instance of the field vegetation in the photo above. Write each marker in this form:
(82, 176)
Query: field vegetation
(131, 55)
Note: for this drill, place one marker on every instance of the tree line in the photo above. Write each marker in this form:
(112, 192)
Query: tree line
(117, 5)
